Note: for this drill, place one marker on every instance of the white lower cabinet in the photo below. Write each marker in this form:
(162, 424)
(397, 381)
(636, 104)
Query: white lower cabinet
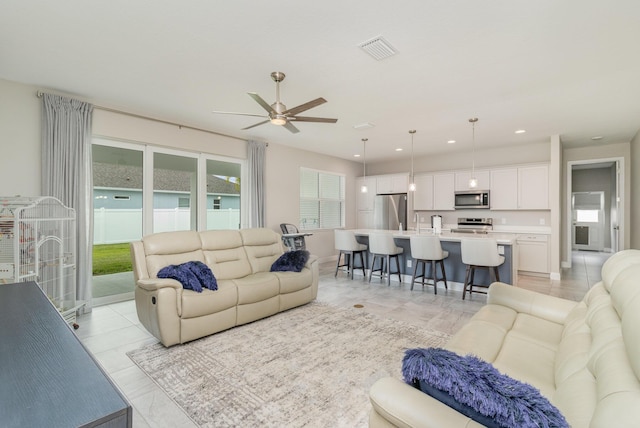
(533, 253)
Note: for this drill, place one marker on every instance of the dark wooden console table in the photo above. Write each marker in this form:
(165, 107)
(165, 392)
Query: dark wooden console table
(47, 377)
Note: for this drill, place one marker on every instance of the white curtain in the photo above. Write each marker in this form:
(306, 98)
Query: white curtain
(256, 155)
(66, 174)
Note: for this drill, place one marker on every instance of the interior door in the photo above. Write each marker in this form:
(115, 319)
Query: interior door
(588, 221)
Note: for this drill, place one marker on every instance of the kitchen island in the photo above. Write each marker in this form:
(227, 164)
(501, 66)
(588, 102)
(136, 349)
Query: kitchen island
(450, 241)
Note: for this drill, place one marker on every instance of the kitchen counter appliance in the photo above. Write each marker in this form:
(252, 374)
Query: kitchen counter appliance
(473, 225)
(471, 199)
(390, 212)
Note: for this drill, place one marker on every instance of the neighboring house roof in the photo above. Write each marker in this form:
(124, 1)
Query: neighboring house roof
(130, 177)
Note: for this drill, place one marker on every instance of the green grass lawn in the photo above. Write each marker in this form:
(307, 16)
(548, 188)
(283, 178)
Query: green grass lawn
(111, 258)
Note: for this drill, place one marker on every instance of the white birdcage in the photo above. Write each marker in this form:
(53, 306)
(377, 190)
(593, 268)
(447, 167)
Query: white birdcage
(37, 243)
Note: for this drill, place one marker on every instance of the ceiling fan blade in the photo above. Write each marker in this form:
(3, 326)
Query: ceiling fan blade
(306, 106)
(257, 124)
(260, 101)
(312, 119)
(239, 114)
(291, 128)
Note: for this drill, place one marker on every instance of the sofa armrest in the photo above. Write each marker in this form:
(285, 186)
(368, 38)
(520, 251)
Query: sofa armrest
(312, 259)
(402, 405)
(153, 284)
(543, 306)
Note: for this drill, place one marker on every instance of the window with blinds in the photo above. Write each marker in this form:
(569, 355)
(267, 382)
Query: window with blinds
(321, 200)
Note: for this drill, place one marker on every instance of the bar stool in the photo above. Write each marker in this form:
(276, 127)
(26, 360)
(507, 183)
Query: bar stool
(427, 248)
(479, 253)
(381, 245)
(345, 242)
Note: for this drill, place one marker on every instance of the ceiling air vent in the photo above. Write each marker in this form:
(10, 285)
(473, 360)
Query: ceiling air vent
(378, 48)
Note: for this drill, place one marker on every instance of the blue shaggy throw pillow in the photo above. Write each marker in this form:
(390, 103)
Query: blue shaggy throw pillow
(183, 274)
(203, 273)
(192, 275)
(478, 390)
(291, 261)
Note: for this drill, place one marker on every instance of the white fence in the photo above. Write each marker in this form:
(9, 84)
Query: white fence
(112, 226)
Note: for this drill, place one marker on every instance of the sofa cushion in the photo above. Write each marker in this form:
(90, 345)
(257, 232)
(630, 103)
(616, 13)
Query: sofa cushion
(209, 301)
(291, 261)
(224, 253)
(257, 287)
(477, 389)
(170, 248)
(263, 247)
(291, 282)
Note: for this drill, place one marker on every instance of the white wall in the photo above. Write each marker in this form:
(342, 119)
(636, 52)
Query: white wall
(283, 191)
(19, 140)
(20, 160)
(496, 156)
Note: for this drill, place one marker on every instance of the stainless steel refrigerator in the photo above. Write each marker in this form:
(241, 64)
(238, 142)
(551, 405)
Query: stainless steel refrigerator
(390, 211)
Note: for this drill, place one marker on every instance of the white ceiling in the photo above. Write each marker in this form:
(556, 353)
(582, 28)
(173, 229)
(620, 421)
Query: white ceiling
(568, 67)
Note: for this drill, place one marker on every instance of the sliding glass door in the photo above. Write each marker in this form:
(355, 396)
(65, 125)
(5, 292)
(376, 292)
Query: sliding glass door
(223, 194)
(175, 202)
(140, 189)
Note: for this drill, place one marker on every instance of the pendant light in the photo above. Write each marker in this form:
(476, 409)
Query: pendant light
(412, 182)
(364, 188)
(473, 182)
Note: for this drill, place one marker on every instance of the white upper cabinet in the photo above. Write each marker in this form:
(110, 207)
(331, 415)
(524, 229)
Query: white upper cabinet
(444, 192)
(483, 177)
(434, 192)
(423, 196)
(521, 188)
(533, 187)
(504, 189)
(392, 183)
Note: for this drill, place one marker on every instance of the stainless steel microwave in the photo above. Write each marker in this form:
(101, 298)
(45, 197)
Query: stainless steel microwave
(471, 199)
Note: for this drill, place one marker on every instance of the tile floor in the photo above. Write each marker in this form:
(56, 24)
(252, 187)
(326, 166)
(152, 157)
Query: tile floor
(112, 330)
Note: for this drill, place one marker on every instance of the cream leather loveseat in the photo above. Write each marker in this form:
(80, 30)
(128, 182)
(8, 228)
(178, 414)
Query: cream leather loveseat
(583, 356)
(239, 259)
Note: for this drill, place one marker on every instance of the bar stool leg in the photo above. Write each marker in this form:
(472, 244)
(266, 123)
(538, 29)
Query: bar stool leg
(397, 257)
(388, 270)
(466, 282)
(444, 275)
(415, 270)
(435, 276)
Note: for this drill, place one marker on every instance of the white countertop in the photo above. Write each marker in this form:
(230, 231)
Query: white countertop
(446, 235)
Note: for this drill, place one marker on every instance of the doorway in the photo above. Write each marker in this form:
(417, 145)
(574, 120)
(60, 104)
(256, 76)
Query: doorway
(588, 221)
(594, 206)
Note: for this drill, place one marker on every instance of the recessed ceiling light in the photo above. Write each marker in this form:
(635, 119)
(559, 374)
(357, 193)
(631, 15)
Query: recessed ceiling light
(356, 155)
(599, 137)
(520, 131)
(398, 149)
(451, 142)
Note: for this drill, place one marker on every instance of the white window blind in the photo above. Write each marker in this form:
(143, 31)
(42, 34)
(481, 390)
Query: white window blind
(321, 200)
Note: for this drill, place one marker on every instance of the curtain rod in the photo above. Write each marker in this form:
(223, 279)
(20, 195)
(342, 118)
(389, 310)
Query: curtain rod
(39, 94)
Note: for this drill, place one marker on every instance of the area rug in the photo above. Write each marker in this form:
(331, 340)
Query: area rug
(310, 366)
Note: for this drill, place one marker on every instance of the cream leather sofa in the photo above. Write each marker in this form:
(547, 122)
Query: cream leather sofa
(583, 356)
(239, 259)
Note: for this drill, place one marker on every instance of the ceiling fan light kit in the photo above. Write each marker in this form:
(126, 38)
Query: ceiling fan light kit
(278, 114)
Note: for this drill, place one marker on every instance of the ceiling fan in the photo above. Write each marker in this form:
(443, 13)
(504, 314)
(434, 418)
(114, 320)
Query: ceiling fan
(278, 114)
